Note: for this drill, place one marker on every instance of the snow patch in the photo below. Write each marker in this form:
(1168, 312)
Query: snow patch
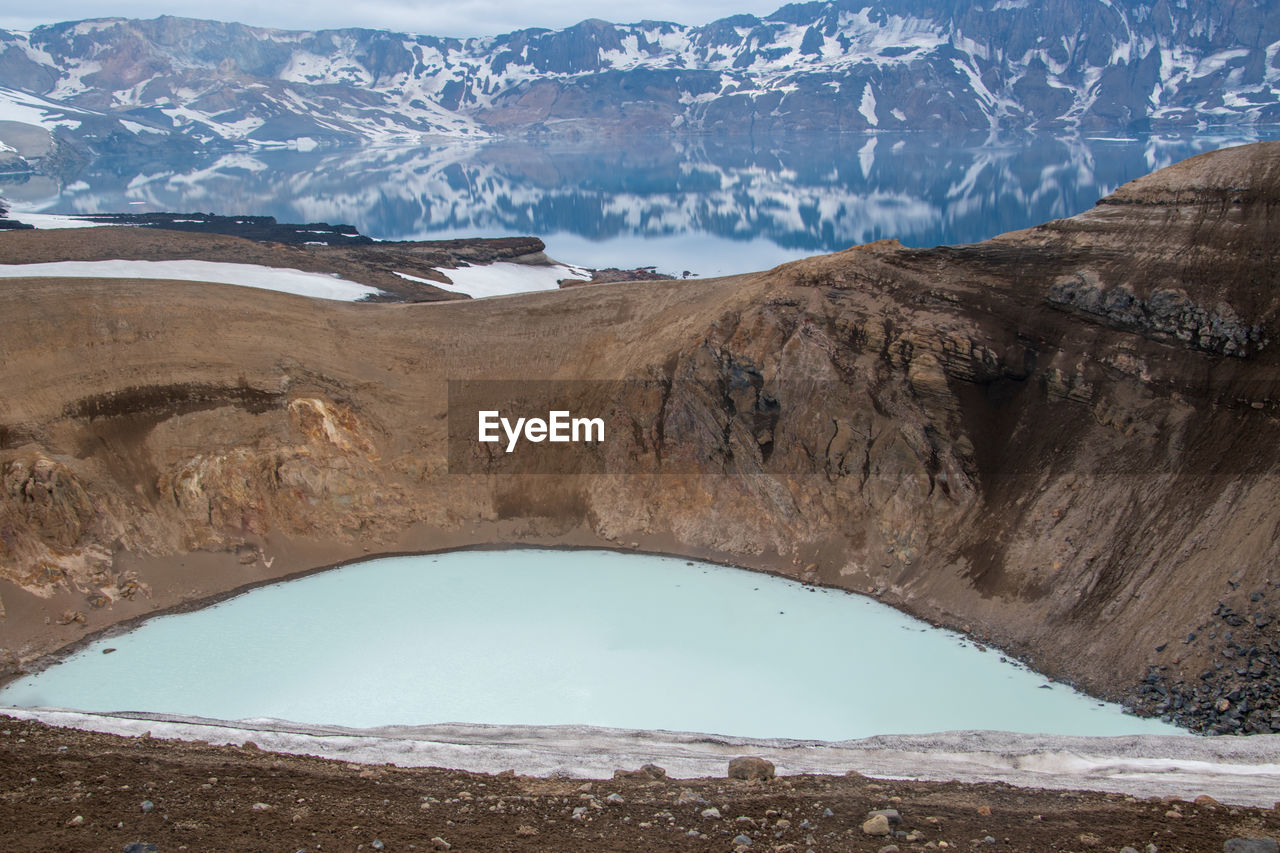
(503, 279)
(47, 221)
(29, 109)
(868, 106)
(313, 284)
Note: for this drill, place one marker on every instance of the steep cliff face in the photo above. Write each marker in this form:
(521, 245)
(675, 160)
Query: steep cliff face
(1062, 440)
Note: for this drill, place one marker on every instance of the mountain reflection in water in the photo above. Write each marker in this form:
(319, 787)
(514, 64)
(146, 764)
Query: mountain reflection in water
(710, 204)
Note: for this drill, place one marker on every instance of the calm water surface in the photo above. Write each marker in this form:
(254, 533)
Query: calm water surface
(707, 204)
(579, 637)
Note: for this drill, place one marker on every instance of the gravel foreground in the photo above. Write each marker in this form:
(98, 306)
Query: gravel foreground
(74, 790)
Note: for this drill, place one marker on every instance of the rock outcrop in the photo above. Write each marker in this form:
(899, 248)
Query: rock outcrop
(1089, 485)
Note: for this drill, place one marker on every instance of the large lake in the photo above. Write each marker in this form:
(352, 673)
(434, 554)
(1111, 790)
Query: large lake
(576, 637)
(708, 204)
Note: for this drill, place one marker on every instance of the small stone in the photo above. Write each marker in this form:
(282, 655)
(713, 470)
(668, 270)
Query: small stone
(147, 806)
(615, 799)
(1129, 850)
(892, 815)
(889, 848)
(78, 820)
(526, 830)
(1250, 845)
(1088, 839)
(440, 844)
(984, 811)
(1206, 800)
(261, 807)
(72, 617)
(1173, 814)
(710, 813)
(743, 840)
(828, 813)
(377, 845)
(647, 773)
(579, 813)
(878, 825)
(141, 847)
(686, 796)
(750, 768)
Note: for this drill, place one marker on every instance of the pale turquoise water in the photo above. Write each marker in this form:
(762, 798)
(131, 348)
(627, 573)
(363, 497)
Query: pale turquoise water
(577, 637)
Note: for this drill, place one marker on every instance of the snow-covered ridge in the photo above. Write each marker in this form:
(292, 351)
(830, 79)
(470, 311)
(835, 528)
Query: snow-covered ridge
(839, 65)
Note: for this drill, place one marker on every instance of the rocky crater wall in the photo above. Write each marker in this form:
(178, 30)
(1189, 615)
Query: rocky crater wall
(980, 435)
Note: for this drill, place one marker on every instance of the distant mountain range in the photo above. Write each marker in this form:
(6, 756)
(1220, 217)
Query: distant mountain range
(846, 65)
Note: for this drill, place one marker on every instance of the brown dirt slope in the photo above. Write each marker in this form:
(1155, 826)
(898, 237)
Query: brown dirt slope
(1063, 440)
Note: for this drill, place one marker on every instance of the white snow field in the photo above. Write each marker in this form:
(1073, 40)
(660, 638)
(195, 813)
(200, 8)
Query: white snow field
(503, 279)
(318, 285)
(50, 221)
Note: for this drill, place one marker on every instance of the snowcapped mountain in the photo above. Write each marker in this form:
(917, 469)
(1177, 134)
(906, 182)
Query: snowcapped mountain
(858, 65)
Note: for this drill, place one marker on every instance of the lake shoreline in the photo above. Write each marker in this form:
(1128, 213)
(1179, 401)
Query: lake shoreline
(633, 620)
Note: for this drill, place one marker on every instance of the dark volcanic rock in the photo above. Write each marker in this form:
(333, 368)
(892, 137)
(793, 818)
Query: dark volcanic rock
(1250, 845)
(260, 228)
(1167, 313)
